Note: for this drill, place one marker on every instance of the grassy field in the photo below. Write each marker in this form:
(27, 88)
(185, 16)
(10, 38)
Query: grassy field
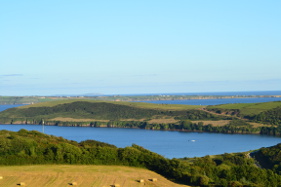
(134, 104)
(86, 176)
(249, 108)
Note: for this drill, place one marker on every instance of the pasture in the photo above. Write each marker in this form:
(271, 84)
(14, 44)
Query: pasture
(249, 108)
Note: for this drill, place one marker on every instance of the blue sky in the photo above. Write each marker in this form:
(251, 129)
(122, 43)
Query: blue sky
(144, 46)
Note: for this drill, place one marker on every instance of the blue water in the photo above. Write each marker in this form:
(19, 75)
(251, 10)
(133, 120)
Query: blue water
(241, 93)
(216, 101)
(170, 144)
(4, 107)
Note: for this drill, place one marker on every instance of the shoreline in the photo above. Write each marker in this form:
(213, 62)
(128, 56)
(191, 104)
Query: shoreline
(26, 100)
(134, 127)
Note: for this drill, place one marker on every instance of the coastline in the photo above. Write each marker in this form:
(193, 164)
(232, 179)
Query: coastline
(26, 100)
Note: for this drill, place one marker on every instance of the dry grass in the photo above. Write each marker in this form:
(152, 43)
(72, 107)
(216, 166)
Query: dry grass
(221, 123)
(218, 123)
(165, 121)
(86, 176)
(75, 120)
(132, 119)
(259, 125)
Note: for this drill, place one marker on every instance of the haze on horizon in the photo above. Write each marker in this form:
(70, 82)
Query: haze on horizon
(130, 47)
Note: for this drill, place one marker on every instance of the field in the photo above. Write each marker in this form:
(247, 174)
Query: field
(221, 123)
(218, 123)
(86, 176)
(249, 108)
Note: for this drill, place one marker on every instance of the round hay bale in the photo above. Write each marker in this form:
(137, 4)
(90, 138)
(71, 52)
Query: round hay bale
(153, 179)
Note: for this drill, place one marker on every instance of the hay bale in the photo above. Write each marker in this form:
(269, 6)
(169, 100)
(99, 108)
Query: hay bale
(141, 181)
(21, 184)
(153, 179)
(1, 177)
(73, 183)
(116, 185)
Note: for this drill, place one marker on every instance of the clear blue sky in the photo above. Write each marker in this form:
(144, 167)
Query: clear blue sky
(143, 46)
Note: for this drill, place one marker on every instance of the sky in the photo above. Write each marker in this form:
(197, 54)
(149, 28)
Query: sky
(52, 47)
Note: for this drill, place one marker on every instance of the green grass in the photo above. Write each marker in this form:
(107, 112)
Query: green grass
(249, 108)
(97, 110)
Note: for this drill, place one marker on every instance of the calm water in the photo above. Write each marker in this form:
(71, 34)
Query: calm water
(170, 144)
(276, 92)
(4, 107)
(216, 101)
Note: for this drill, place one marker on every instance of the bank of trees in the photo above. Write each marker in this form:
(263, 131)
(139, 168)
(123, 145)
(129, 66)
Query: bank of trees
(32, 147)
(272, 116)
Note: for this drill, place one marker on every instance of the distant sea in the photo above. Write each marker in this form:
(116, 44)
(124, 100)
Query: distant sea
(222, 101)
(240, 93)
(236, 93)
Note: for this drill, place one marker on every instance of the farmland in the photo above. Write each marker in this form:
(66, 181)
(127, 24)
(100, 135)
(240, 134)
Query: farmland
(86, 176)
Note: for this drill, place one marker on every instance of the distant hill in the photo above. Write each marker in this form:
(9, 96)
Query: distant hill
(247, 110)
(99, 112)
(258, 118)
(144, 97)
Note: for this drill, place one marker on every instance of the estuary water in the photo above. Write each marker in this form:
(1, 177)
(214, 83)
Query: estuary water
(216, 101)
(171, 144)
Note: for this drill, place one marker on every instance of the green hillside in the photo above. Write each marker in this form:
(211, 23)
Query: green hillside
(245, 109)
(102, 112)
(258, 118)
(269, 157)
(34, 148)
(134, 104)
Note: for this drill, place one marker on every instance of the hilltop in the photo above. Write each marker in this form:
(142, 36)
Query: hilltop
(90, 113)
(246, 110)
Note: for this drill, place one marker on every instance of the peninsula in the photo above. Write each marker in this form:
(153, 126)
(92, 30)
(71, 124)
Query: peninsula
(250, 118)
